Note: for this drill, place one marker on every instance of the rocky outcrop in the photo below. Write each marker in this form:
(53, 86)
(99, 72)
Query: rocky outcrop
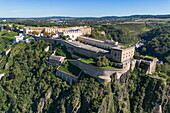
(157, 109)
(43, 101)
(1, 75)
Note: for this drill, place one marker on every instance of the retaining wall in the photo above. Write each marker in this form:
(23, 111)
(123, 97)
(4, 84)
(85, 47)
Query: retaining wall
(66, 76)
(102, 74)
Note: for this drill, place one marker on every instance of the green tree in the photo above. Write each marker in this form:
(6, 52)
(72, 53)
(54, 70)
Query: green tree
(103, 61)
(46, 34)
(35, 33)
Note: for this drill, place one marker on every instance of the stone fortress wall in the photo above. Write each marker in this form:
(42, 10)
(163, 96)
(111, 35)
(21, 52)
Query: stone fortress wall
(152, 66)
(102, 74)
(66, 76)
(150, 62)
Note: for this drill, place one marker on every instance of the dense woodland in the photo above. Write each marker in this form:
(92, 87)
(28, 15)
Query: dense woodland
(6, 38)
(126, 34)
(157, 43)
(30, 85)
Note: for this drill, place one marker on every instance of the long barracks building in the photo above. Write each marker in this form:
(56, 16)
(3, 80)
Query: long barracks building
(118, 53)
(84, 29)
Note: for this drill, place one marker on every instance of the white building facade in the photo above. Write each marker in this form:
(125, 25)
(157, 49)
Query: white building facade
(71, 34)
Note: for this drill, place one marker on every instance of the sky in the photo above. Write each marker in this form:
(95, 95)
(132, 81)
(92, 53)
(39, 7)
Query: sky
(82, 8)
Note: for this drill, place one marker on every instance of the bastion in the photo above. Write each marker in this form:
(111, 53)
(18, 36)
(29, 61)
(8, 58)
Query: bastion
(102, 74)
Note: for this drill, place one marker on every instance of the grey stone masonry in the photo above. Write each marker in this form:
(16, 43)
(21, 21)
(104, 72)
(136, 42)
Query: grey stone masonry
(66, 76)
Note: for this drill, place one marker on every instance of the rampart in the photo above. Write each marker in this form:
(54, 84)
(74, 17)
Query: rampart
(151, 62)
(102, 74)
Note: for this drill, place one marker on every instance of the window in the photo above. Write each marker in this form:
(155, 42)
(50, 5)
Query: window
(115, 55)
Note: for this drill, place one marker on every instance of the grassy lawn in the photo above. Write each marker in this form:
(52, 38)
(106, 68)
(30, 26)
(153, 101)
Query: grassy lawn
(166, 20)
(1, 72)
(69, 68)
(125, 47)
(29, 37)
(62, 51)
(133, 59)
(6, 38)
(88, 61)
(150, 57)
(64, 67)
(109, 67)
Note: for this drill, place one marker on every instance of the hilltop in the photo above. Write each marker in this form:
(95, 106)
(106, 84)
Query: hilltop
(31, 86)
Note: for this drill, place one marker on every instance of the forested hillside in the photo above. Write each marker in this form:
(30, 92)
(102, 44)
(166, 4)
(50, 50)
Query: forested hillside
(29, 85)
(125, 33)
(157, 43)
(6, 38)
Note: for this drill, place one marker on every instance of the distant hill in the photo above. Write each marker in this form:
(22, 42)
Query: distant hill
(90, 18)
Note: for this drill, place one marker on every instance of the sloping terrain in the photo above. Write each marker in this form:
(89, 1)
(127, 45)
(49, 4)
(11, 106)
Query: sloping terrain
(29, 85)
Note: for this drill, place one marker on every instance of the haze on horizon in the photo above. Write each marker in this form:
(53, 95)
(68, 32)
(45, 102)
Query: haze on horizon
(86, 8)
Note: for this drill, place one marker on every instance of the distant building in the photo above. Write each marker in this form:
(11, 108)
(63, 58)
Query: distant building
(54, 30)
(3, 20)
(108, 44)
(71, 34)
(31, 29)
(1, 27)
(28, 40)
(21, 39)
(55, 35)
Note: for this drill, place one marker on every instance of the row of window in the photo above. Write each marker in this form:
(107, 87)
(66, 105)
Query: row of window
(128, 53)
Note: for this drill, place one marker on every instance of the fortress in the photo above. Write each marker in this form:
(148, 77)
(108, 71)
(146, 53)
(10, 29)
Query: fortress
(103, 75)
(78, 45)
